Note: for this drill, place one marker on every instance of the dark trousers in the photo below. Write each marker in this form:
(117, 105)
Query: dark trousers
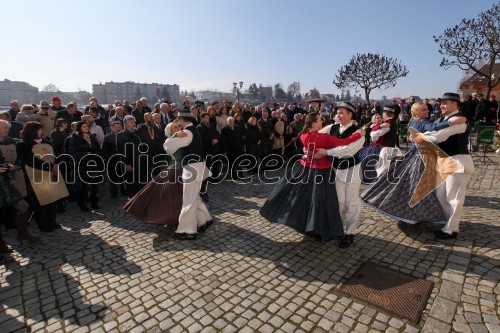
(45, 216)
(266, 149)
(113, 189)
(116, 182)
(82, 192)
(133, 183)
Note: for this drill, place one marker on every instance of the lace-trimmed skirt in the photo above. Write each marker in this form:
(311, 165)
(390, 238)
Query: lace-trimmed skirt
(305, 199)
(392, 191)
(369, 157)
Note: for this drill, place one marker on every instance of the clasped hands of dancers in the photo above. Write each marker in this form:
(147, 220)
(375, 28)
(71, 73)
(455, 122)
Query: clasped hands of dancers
(319, 196)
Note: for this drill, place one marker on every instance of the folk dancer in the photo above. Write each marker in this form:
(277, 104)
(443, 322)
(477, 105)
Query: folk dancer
(306, 198)
(194, 217)
(405, 191)
(454, 142)
(347, 171)
(390, 150)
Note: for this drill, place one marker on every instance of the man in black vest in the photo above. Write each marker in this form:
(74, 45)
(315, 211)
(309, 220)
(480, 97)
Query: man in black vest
(347, 170)
(390, 150)
(194, 217)
(453, 141)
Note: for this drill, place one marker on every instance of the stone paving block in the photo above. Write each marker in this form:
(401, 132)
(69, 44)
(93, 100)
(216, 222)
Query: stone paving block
(443, 309)
(396, 323)
(461, 328)
(473, 317)
(471, 308)
(341, 328)
(492, 328)
(361, 328)
(110, 325)
(411, 329)
(382, 317)
(479, 328)
(450, 290)
(379, 325)
(364, 319)
(453, 277)
(391, 330)
(435, 326)
(267, 329)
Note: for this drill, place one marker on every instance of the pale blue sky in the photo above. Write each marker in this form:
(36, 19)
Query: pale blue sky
(210, 44)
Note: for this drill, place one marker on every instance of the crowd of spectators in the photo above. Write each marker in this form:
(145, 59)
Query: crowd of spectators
(133, 133)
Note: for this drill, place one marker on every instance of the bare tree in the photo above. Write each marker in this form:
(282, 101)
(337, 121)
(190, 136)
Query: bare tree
(472, 42)
(369, 71)
(294, 89)
(52, 88)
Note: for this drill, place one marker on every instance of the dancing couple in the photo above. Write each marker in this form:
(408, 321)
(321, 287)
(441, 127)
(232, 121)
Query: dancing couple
(319, 196)
(173, 196)
(428, 183)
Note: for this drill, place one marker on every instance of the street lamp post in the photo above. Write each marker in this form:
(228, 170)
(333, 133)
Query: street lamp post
(237, 89)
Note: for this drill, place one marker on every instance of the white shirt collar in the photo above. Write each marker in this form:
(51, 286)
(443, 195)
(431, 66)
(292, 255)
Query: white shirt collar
(449, 115)
(346, 125)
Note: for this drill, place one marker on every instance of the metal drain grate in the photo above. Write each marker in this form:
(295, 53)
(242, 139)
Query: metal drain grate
(400, 294)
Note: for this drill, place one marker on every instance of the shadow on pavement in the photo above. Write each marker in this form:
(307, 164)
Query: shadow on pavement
(54, 262)
(482, 202)
(309, 260)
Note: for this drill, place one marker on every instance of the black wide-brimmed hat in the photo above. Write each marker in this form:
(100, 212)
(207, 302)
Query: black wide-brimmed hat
(348, 106)
(185, 114)
(388, 109)
(451, 97)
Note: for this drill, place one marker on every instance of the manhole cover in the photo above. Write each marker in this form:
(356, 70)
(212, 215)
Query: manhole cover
(395, 292)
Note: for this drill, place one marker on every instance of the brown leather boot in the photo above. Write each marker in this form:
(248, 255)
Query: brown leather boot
(22, 231)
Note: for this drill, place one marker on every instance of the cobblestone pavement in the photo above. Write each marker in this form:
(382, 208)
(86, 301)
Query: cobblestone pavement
(108, 272)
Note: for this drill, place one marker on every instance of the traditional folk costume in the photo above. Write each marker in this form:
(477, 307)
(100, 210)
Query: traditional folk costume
(451, 194)
(305, 199)
(369, 156)
(160, 201)
(390, 150)
(393, 190)
(194, 215)
(347, 175)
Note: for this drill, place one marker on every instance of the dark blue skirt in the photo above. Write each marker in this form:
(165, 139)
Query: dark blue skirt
(369, 157)
(392, 191)
(305, 199)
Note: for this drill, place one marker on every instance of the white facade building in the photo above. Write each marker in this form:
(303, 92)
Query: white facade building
(206, 95)
(109, 92)
(21, 91)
